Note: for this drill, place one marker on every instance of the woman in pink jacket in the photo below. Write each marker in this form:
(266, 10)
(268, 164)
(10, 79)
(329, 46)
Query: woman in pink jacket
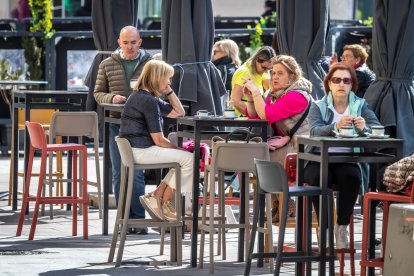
(283, 106)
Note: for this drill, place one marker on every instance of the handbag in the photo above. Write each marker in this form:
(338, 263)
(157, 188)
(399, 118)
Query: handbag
(277, 142)
(399, 175)
(239, 135)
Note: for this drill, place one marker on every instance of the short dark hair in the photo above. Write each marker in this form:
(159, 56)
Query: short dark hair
(336, 67)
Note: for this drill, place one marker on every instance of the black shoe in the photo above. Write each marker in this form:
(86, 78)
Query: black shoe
(129, 231)
(141, 230)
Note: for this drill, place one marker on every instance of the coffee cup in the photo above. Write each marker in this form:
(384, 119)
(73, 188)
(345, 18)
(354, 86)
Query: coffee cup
(346, 131)
(378, 130)
(203, 113)
(132, 83)
(229, 113)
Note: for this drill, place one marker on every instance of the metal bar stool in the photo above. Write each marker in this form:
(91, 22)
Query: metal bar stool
(272, 178)
(38, 142)
(227, 157)
(81, 124)
(122, 215)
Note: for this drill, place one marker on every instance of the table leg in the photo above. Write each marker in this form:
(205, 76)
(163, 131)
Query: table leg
(299, 219)
(261, 239)
(15, 164)
(106, 180)
(196, 191)
(323, 211)
(244, 192)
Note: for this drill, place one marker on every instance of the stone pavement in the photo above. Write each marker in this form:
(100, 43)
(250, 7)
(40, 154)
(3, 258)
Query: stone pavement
(55, 252)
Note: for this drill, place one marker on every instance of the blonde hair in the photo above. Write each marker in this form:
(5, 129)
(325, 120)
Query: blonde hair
(152, 74)
(230, 48)
(358, 51)
(290, 64)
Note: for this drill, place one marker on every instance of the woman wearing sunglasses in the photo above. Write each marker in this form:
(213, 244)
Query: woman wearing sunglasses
(340, 107)
(256, 68)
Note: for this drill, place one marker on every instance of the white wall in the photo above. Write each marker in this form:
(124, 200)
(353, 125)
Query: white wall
(340, 9)
(238, 7)
(6, 6)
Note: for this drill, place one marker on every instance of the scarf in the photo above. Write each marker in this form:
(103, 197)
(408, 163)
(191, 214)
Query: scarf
(301, 84)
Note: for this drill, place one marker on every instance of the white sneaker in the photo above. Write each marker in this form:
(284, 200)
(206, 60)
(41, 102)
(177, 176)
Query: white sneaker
(341, 236)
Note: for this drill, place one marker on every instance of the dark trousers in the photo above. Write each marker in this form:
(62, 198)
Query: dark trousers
(346, 177)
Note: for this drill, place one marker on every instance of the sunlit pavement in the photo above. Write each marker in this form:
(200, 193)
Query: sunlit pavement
(55, 252)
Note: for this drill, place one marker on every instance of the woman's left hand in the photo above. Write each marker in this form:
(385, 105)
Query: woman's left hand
(359, 123)
(167, 90)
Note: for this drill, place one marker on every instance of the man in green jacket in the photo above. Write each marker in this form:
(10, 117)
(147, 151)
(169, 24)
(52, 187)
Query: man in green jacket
(113, 85)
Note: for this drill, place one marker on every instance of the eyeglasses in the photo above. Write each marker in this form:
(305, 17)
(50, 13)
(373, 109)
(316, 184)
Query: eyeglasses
(346, 57)
(344, 80)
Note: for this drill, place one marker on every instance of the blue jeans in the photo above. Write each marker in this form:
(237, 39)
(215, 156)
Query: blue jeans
(136, 211)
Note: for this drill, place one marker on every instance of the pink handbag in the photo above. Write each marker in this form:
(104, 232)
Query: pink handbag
(277, 142)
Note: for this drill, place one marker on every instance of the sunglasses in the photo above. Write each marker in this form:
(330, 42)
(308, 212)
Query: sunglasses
(264, 68)
(344, 80)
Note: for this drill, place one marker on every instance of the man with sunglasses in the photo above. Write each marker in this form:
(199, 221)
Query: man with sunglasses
(340, 108)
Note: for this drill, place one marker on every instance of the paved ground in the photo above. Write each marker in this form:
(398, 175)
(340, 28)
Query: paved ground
(55, 252)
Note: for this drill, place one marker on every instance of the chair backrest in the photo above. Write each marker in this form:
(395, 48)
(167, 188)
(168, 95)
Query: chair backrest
(42, 116)
(271, 176)
(37, 135)
(290, 165)
(238, 157)
(84, 123)
(125, 150)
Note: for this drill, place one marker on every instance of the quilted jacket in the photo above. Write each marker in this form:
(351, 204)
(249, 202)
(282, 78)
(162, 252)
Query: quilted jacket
(111, 77)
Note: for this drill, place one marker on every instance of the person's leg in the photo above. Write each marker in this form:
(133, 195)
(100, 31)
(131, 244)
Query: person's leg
(137, 210)
(115, 159)
(312, 177)
(184, 158)
(348, 178)
(277, 156)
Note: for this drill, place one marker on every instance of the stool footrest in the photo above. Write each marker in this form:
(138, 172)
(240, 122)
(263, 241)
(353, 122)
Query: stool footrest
(289, 256)
(60, 199)
(151, 223)
(377, 262)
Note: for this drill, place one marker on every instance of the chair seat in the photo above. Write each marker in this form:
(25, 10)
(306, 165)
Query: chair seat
(64, 147)
(304, 191)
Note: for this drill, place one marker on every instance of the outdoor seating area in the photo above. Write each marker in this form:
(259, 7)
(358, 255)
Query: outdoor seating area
(206, 137)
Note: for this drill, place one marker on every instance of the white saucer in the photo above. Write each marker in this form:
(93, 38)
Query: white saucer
(204, 117)
(230, 117)
(347, 136)
(377, 136)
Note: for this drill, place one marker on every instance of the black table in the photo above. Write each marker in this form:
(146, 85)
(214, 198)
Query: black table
(13, 85)
(32, 99)
(199, 128)
(373, 153)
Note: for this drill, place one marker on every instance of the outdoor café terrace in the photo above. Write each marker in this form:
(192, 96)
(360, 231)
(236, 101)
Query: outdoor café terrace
(72, 54)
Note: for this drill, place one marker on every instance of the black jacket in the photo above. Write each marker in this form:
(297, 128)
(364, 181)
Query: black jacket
(365, 78)
(227, 69)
